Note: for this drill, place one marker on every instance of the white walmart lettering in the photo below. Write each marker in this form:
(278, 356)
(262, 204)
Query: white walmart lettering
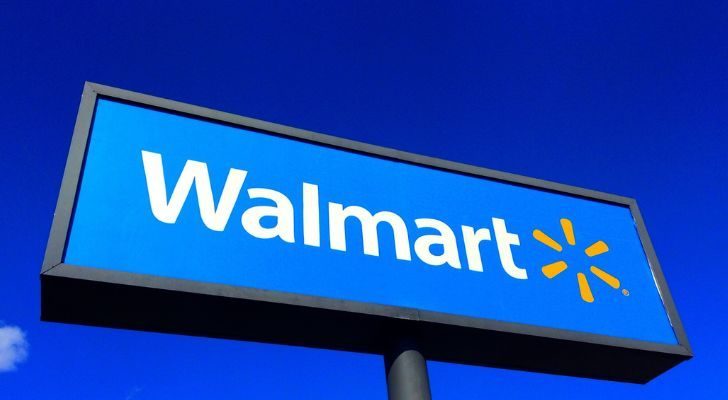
(216, 217)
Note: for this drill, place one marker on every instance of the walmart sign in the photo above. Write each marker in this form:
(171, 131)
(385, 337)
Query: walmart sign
(174, 196)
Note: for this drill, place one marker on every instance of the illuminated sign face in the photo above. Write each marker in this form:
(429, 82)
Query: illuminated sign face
(168, 195)
(181, 219)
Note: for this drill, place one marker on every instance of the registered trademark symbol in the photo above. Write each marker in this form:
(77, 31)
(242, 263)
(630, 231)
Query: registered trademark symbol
(625, 292)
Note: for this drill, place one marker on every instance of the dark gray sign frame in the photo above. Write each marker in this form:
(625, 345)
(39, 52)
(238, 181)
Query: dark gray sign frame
(98, 297)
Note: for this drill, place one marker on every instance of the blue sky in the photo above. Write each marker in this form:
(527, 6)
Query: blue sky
(619, 97)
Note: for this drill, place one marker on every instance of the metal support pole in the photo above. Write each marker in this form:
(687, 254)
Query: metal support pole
(406, 371)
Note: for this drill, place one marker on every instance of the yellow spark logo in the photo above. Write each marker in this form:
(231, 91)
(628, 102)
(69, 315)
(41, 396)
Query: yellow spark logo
(595, 249)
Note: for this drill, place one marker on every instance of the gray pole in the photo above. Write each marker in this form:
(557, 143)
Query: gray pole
(406, 371)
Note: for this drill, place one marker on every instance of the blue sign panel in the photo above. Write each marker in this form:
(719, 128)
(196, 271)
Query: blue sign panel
(174, 196)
